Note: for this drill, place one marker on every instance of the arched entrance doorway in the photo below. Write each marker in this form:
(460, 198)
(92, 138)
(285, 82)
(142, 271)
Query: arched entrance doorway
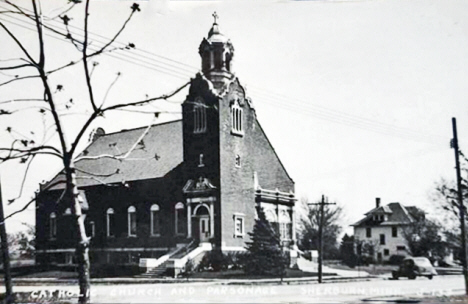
(202, 223)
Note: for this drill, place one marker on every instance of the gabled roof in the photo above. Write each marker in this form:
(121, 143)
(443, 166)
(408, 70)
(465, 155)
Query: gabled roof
(159, 151)
(396, 213)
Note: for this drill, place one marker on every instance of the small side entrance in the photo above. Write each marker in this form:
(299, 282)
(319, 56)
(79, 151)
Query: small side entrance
(204, 229)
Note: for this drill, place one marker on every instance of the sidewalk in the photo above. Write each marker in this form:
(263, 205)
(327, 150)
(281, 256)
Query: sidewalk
(168, 280)
(309, 266)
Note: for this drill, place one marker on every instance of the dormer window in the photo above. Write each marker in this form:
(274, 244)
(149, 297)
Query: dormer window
(199, 116)
(378, 217)
(237, 119)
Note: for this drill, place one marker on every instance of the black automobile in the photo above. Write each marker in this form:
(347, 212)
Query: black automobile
(414, 267)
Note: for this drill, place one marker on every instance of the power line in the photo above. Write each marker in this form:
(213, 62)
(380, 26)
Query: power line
(285, 102)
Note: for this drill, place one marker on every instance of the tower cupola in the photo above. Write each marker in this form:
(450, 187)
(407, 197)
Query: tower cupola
(216, 53)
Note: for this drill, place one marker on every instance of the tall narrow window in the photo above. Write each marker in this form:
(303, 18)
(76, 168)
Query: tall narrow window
(382, 239)
(368, 232)
(239, 225)
(236, 119)
(110, 222)
(53, 225)
(285, 225)
(180, 218)
(90, 229)
(132, 224)
(155, 230)
(394, 232)
(199, 116)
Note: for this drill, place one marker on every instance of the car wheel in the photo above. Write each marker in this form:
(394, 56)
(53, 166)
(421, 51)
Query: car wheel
(429, 277)
(412, 276)
(395, 276)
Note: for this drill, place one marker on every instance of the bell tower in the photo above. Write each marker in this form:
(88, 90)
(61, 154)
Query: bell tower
(216, 53)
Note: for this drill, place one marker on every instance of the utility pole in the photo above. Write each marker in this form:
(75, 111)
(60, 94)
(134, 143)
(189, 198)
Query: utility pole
(461, 206)
(320, 234)
(5, 255)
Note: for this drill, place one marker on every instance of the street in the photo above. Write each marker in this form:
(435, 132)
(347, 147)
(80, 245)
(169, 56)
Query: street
(215, 292)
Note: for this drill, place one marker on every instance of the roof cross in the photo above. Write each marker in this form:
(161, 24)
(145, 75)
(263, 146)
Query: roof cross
(215, 16)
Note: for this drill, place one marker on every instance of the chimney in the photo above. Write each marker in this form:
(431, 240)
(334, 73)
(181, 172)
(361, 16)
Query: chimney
(95, 134)
(377, 202)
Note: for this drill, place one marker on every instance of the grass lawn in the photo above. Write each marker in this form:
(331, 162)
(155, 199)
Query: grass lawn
(239, 274)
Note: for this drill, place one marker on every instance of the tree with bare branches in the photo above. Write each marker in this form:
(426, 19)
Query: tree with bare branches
(32, 67)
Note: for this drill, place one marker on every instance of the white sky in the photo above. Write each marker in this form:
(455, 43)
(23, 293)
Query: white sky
(356, 96)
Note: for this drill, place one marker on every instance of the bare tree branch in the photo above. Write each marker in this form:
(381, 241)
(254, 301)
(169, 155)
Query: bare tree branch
(85, 59)
(125, 156)
(118, 106)
(16, 67)
(18, 78)
(145, 101)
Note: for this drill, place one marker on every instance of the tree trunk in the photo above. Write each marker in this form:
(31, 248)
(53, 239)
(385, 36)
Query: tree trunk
(82, 248)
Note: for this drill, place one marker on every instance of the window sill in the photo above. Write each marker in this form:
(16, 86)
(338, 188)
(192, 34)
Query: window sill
(156, 235)
(237, 133)
(132, 236)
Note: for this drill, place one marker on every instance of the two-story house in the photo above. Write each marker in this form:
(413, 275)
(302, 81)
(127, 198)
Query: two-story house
(382, 229)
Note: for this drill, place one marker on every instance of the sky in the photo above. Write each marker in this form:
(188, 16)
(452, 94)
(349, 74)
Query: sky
(356, 96)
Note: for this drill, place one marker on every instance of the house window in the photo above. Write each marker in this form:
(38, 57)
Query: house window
(110, 222)
(238, 161)
(369, 232)
(394, 232)
(155, 230)
(180, 218)
(238, 225)
(236, 119)
(53, 225)
(132, 224)
(386, 252)
(400, 248)
(199, 116)
(382, 239)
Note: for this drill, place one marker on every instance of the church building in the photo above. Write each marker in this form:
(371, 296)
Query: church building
(186, 187)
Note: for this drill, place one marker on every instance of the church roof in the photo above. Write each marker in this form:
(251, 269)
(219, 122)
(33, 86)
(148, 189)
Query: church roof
(102, 162)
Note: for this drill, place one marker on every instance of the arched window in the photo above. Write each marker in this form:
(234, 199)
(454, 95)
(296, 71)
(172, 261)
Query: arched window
(236, 119)
(110, 222)
(132, 224)
(180, 218)
(155, 229)
(53, 225)
(199, 116)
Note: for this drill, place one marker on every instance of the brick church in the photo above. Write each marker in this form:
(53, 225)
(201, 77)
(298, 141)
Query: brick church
(188, 186)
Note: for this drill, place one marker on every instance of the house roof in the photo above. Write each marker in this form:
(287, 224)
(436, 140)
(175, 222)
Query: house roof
(397, 214)
(105, 161)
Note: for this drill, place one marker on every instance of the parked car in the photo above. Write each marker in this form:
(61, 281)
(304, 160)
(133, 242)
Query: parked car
(413, 267)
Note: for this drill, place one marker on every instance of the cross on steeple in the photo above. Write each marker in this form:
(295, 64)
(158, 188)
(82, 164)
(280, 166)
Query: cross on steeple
(215, 16)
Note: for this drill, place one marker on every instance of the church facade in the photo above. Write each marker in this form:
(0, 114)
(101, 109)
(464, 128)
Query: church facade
(199, 180)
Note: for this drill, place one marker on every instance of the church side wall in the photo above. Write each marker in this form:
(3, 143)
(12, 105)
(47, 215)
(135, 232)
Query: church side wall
(120, 248)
